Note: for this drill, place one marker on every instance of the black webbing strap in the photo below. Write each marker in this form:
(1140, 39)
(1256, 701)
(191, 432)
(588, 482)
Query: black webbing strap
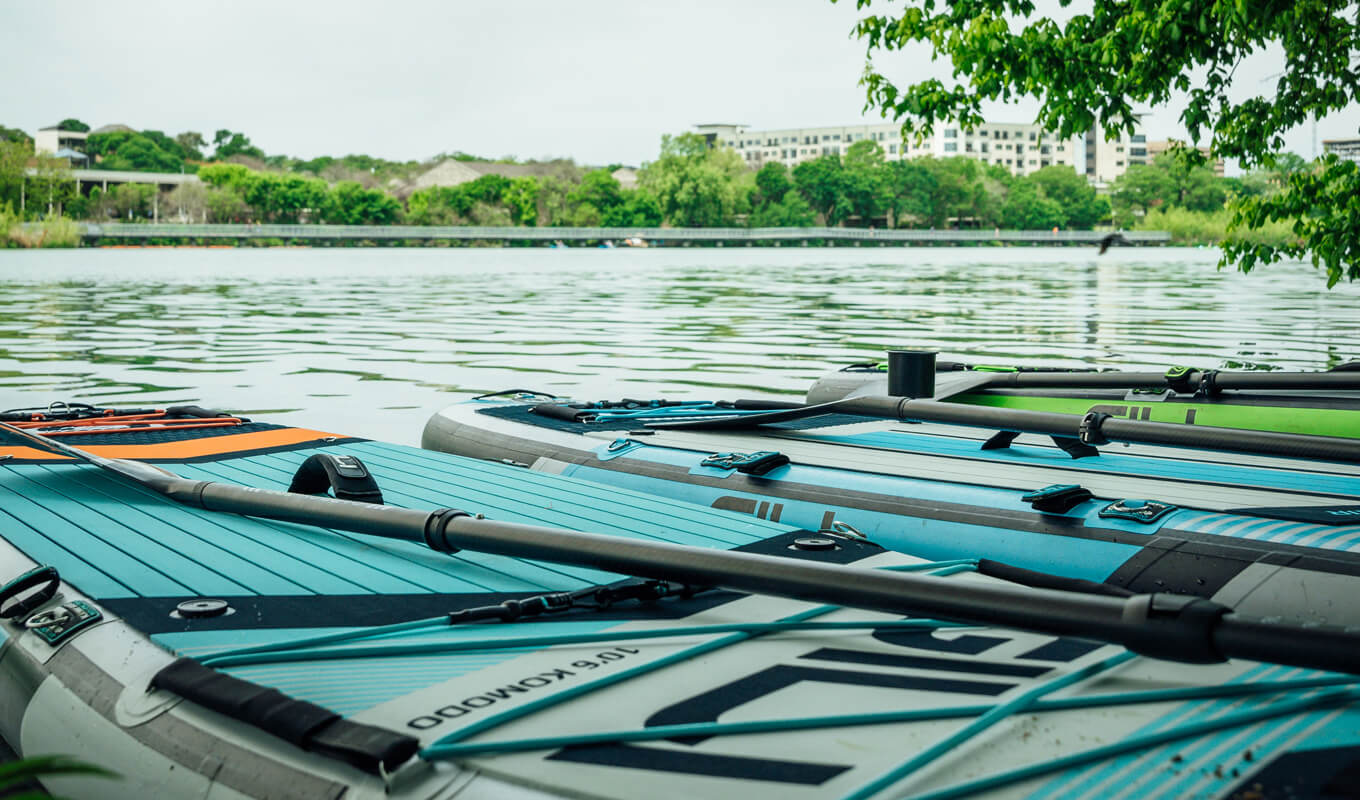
(561, 411)
(345, 475)
(1047, 580)
(298, 722)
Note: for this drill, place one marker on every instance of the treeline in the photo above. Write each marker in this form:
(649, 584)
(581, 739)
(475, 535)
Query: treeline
(688, 185)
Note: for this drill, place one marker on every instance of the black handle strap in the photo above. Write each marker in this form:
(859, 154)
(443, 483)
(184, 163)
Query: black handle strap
(298, 722)
(346, 476)
(45, 578)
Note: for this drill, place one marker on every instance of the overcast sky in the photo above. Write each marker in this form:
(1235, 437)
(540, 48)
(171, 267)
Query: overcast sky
(595, 80)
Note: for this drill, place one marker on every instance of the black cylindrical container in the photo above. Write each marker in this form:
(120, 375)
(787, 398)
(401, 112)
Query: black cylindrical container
(911, 373)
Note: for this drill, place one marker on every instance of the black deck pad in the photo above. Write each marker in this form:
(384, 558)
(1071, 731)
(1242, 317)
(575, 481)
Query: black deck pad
(171, 434)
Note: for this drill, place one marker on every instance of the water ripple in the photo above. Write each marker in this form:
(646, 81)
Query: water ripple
(372, 341)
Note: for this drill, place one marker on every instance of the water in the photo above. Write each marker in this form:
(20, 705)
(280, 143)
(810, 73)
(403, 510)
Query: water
(371, 342)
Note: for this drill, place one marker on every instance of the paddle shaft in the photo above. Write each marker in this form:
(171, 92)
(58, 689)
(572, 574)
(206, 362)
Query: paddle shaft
(1174, 627)
(1192, 381)
(1092, 429)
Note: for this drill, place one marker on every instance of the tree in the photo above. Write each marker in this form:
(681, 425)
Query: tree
(50, 187)
(71, 124)
(149, 151)
(229, 143)
(772, 183)
(521, 200)
(1026, 208)
(1097, 65)
(225, 176)
(15, 135)
(693, 185)
(1082, 207)
(285, 198)
(867, 181)
(1142, 187)
(823, 184)
(191, 144)
(14, 158)
(352, 204)
(914, 186)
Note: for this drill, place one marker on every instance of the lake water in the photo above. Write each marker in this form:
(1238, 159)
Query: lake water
(371, 342)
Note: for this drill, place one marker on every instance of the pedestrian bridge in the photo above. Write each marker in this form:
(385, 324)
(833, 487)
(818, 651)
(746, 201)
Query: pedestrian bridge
(653, 236)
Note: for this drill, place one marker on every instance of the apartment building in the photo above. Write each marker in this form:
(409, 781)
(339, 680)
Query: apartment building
(1345, 149)
(1020, 148)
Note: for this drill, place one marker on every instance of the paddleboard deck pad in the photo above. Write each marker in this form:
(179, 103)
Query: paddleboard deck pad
(198, 653)
(1142, 518)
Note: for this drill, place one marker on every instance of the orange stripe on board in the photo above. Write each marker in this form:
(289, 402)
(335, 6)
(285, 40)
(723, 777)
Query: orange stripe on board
(211, 446)
(30, 454)
(187, 449)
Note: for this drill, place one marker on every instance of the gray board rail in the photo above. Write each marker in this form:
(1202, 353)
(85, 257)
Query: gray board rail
(670, 236)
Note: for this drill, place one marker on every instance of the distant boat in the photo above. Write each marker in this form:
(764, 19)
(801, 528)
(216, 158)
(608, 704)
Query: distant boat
(636, 241)
(558, 245)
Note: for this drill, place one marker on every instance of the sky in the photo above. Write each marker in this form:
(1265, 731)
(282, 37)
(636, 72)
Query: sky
(595, 80)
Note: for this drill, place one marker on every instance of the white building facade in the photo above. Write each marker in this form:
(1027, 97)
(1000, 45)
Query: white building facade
(1020, 148)
(53, 140)
(1344, 149)
(1108, 159)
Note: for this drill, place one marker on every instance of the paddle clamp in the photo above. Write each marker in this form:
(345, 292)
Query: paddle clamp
(436, 529)
(1175, 627)
(1178, 378)
(1089, 429)
(1208, 384)
(1058, 498)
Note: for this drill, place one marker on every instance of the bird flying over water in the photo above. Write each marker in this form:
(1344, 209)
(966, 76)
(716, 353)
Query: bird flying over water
(1112, 239)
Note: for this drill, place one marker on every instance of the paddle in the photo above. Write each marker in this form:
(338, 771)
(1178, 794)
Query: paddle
(1093, 429)
(1173, 627)
(1184, 380)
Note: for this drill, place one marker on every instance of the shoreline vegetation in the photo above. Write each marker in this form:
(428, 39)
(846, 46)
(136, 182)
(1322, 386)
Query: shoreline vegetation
(689, 185)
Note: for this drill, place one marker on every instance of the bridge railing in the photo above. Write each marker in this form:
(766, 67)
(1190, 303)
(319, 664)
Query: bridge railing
(484, 233)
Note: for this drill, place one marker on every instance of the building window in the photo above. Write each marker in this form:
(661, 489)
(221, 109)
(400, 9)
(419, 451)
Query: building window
(892, 148)
(1031, 162)
(1139, 138)
(1044, 163)
(951, 147)
(982, 133)
(984, 147)
(1119, 163)
(1137, 151)
(951, 133)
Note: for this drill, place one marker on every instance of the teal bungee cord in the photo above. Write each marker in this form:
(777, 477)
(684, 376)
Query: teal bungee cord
(642, 669)
(467, 749)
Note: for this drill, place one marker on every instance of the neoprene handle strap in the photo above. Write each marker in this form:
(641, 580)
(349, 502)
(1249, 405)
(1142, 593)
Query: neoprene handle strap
(345, 475)
(299, 722)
